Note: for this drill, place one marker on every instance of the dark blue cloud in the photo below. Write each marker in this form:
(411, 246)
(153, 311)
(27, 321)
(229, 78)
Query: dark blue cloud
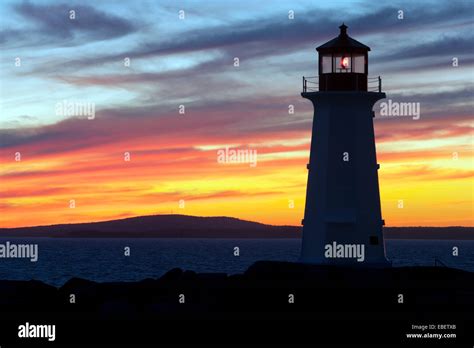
(52, 25)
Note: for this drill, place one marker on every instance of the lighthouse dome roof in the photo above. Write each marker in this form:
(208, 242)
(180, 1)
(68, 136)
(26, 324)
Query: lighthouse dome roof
(343, 42)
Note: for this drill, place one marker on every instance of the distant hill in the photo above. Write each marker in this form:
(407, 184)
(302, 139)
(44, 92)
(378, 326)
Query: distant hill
(185, 226)
(160, 226)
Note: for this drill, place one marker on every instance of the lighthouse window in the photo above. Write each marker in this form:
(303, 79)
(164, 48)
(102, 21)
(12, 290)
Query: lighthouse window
(326, 65)
(358, 64)
(342, 63)
(345, 62)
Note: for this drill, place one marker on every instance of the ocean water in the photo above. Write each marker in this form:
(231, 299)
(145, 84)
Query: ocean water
(103, 260)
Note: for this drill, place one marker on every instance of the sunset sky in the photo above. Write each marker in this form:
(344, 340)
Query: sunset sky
(426, 163)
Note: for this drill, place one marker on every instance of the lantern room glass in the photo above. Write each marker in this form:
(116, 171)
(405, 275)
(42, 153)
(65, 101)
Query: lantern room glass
(358, 63)
(327, 64)
(343, 63)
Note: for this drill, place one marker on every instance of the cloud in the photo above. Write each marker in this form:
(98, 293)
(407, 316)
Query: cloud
(258, 118)
(428, 172)
(452, 46)
(271, 36)
(51, 25)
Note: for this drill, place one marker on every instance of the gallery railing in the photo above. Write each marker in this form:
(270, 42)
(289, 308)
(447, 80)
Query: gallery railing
(311, 84)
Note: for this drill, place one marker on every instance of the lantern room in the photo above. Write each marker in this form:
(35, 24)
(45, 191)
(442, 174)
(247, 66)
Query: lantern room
(343, 64)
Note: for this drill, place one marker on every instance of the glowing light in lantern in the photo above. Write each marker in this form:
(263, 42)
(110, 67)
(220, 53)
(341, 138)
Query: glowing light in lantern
(344, 62)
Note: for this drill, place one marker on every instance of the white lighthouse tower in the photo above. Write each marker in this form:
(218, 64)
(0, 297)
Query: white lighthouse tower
(342, 220)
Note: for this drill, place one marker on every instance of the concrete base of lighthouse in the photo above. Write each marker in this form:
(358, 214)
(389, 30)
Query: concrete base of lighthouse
(342, 222)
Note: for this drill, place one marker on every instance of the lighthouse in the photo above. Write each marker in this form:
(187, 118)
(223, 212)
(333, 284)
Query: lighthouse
(342, 222)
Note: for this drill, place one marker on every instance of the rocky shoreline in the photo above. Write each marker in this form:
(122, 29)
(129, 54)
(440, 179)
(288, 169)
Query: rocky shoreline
(264, 285)
(266, 291)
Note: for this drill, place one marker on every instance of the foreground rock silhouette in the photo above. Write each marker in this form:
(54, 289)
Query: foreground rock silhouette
(264, 286)
(325, 293)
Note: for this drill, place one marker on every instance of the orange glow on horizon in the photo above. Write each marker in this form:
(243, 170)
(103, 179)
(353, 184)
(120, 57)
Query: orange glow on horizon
(431, 176)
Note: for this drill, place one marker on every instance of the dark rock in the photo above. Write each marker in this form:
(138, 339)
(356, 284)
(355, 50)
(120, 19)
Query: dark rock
(264, 288)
